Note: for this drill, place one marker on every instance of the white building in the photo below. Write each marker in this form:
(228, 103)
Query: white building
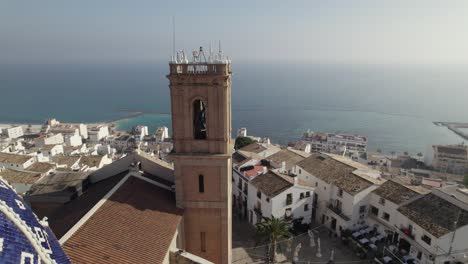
(449, 158)
(279, 195)
(15, 162)
(49, 140)
(140, 132)
(73, 140)
(341, 190)
(97, 133)
(434, 228)
(162, 133)
(336, 143)
(53, 126)
(242, 132)
(383, 204)
(13, 132)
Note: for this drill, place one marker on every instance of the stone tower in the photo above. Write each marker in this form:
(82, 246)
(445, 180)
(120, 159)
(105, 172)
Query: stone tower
(201, 123)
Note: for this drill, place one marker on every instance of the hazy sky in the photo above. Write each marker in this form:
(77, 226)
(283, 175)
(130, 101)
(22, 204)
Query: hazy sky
(325, 31)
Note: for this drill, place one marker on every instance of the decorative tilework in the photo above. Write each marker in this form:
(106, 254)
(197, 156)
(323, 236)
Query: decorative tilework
(23, 238)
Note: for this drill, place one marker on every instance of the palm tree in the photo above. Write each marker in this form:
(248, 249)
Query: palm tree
(272, 230)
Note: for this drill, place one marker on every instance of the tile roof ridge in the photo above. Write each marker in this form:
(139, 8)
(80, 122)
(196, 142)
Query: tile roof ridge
(91, 212)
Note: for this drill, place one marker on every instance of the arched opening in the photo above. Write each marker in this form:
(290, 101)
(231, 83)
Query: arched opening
(199, 119)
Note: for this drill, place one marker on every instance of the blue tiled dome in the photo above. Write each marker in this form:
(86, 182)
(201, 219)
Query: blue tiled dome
(23, 238)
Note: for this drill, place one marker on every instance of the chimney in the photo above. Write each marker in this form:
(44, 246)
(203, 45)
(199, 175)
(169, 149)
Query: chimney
(283, 166)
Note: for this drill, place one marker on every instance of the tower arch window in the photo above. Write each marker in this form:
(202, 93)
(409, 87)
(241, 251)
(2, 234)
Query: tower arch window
(201, 183)
(199, 119)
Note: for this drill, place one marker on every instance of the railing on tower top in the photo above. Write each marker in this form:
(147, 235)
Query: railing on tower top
(200, 68)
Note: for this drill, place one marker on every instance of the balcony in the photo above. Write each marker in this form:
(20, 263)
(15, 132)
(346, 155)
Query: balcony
(338, 212)
(406, 232)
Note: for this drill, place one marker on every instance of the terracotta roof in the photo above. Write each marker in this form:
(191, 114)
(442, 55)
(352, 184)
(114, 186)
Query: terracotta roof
(434, 214)
(237, 158)
(13, 176)
(41, 167)
(128, 228)
(271, 184)
(66, 160)
(254, 147)
(291, 158)
(91, 161)
(395, 192)
(253, 172)
(334, 172)
(13, 158)
(48, 147)
(67, 215)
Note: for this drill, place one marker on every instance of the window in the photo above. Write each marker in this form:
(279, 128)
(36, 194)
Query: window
(246, 188)
(386, 216)
(199, 120)
(203, 242)
(239, 184)
(300, 171)
(307, 194)
(426, 239)
(382, 201)
(301, 196)
(419, 256)
(201, 184)
(316, 184)
(374, 211)
(362, 209)
(259, 195)
(340, 192)
(289, 199)
(268, 200)
(306, 207)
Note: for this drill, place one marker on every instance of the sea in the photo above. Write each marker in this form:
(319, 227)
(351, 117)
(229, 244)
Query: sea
(393, 105)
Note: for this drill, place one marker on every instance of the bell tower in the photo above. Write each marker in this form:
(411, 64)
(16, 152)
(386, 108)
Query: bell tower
(201, 124)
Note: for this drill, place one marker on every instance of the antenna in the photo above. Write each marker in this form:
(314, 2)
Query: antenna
(173, 36)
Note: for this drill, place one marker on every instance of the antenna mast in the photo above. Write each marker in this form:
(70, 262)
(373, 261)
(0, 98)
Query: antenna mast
(173, 36)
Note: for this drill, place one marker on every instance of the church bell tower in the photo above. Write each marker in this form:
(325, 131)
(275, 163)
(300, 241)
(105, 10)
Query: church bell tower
(201, 124)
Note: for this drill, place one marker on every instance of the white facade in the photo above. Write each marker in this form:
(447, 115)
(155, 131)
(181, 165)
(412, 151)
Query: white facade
(333, 206)
(298, 206)
(49, 140)
(97, 133)
(162, 133)
(13, 132)
(15, 161)
(242, 132)
(74, 140)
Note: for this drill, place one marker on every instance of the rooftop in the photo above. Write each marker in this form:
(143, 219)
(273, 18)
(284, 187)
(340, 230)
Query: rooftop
(13, 176)
(290, 157)
(66, 160)
(53, 183)
(117, 232)
(47, 147)
(395, 192)
(435, 214)
(41, 167)
(459, 193)
(67, 215)
(271, 184)
(13, 158)
(254, 147)
(334, 172)
(91, 161)
(255, 171)
(453, 149)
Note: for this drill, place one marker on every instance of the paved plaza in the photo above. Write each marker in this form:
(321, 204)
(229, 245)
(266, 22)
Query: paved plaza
(246, 251)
